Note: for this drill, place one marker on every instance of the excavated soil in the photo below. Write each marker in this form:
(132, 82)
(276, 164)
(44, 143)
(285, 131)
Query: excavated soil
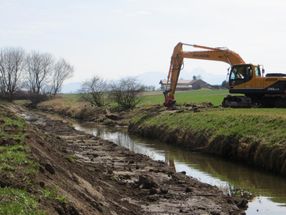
(99, 177)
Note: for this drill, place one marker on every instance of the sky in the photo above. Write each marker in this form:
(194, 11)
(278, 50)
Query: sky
(119, 38)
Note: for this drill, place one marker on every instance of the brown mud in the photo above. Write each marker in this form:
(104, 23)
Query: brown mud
(99, 177)
(235, 148)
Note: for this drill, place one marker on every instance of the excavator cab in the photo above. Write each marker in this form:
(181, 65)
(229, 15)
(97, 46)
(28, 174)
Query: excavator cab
(240, 74)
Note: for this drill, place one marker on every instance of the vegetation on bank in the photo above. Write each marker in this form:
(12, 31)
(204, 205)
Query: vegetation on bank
(73, 105)
(20, 193)
(254, 136)
(16, 168)
(266, 125)
(74, 101)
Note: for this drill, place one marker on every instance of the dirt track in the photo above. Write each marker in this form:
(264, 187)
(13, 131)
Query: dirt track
(99, 177)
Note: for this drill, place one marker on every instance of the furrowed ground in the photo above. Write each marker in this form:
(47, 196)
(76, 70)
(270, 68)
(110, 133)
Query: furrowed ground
(254, 135)
(47, 167)
(27, 182)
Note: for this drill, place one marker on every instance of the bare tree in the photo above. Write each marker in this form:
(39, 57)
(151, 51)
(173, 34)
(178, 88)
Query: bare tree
(62, 70)
(93, 91)
(39, 69)
(11, 67)
(126, 93)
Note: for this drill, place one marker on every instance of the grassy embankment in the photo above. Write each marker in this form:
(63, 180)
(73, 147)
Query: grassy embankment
(16, 168)
(254, 136)
(19, 192)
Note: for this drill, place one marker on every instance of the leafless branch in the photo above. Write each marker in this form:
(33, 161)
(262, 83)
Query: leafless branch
(11, 67)
(93, 91)
(62, 71)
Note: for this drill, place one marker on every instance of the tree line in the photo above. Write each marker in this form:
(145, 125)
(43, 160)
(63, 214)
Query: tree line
(125, 93)
(37, 76)
(31, 75)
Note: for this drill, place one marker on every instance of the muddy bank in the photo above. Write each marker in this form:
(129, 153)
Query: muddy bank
(248, 148)
(247, 136)
(99, 177)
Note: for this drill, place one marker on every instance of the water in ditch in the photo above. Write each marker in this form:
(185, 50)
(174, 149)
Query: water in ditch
(269, 190)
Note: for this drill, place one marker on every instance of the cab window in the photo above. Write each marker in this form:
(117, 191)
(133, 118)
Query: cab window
(240, 74)
(257, 71)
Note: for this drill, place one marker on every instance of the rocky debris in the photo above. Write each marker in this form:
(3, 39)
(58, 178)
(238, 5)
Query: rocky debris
(113, 116)
(49, 167)
(188, 190)
(7, 142)
(66, 209)
(241, 202)
(146, 182)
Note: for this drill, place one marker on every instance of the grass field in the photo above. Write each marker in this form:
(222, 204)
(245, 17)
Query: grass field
(153, 98)
(73, 102)
(195, 96)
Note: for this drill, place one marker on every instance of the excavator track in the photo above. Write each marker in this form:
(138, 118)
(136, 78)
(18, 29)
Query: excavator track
(237, 102)
(248, 102)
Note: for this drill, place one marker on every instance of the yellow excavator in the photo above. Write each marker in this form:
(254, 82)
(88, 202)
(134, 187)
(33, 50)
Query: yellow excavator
(258, 89)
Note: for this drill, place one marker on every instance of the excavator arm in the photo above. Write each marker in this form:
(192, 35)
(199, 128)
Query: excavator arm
(177, 59)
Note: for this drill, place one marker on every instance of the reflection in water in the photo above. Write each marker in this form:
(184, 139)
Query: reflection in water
(170, 161)
(270, 190)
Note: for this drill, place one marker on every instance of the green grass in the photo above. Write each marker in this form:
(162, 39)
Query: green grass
(266, 125)
(13, 158)
(52, 194)
(16, 167)
(13, 155)
(194, 96)
(18, 202)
